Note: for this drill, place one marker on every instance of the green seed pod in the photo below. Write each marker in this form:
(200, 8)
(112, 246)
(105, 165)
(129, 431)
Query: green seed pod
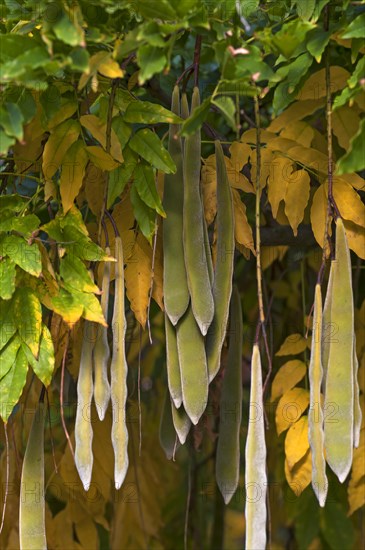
(83, 426)
(222, 286)
(172, 363)
(176, 293)
(193, 366)
(168, 439)
(119, 371)
(328, 327)
(193, 234)
(256, 479)
(101, 350)
(315, 415)
(339, 395)
(228, 449)
(32, 529)
(182, 422)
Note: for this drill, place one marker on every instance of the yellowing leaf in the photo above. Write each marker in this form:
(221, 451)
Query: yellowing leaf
(356, 487)
(57, 145)
(97, 129)
(100, 158)
(315, 87)
(27, 313)
(250, 136)
(355, 238)
(287, 377)
(300, 476)
(290, 408)
(294, 344)
(110, 68)
(296, 442)
(296, 111)
(353, 179)
(318, 215)
(240, 153)
(242, 229)
(209, 192)
(265, 167)
(345, 124)
(310, 158)
(298, 131)
(67, 109)
(280, 172)
(73, 170)
(271, 253)
(95, 183)
(348, 201)
(296, 197)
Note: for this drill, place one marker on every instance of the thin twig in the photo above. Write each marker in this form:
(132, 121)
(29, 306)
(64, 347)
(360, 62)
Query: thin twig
(61, 395)
(7, 476)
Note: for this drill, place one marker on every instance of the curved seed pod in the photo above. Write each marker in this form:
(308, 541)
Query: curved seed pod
(228, 449)
(193, 366)
(357, 406)
(101, 350)
(315, 415)
(172, 363)
(83, 426)
(32, 529)
(168, 439)
(193, 233)
(327, 326)
(255, 479)
(222, 286)
(182, 422)
(119, 371)
(176, 293)
(339, 429)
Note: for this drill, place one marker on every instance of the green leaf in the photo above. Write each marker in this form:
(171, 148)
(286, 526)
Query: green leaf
(27, 312)
(72, 175)
(336, 526)
(152, 9)
(29, 60)
(354, 159)
(74, 272)
(305, 8)
(285, 93)
(5, 142)
(21, 224)
(119, 177)
(227, 107)
(144, 215)
(317, 40)
(26, 256)
(148, 145)
(44, 367)
(60, 140)
(195, 121)
(7, 325)
(7, 355)
(7, 278)
(145, 183)
(144, 112)
(11, 386)
(65, 305)
(290, 36)
(151, 60)
(356, 28)
(122, 130)
(69, 33)
(11, 119)
(12, 202)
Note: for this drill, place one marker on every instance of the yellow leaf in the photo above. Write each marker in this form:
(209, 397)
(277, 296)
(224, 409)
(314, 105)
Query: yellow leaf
(95, 61)
(27, 153)
(242, 229)
(73, 170)
(97, 129)
(356, 487)
(250, 136)
(355, 238)
(287, 377)
(95, 183)
(295, 111)
(271, 253)
(110, 68)
(209, 191)
(315, 87)
(301, 475)
(67, 109)
(281, 144)
(265, 166)
(293, 344)
(240, 154)
(353, 179)
(296, 197)
(298, 131)
(345, 124)
(310, 158)
(280, 171)
(290, 408)
(60, 140)
(319, 215)
(100, 158)
(296, 442)
(348, 201)
(356, 496)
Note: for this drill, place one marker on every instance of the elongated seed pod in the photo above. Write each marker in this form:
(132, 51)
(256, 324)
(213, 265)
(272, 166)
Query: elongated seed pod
(168, 438)
(193, 366)
(184, 113)
(182, 422)
(83, 425)
(172, 363)
(357, 406)
(222, 286)
(176, 293)
(339, 396)
(328, 327)
(32, 529)
(315, 415)
(194, 250)
(208, 253)
(255, 479)
(101, 350)
(118, 372)
(228, 449)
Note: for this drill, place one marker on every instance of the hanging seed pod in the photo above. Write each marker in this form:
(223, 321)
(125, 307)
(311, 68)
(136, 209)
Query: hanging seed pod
(182, 422)
(222, 285)
(119, 371)
(327, 330)
(357, 406)
(168, 438)
(172, 363)
(32, 529)
(315, 415)
(339, 395)
(256, 479)
(228, 449)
